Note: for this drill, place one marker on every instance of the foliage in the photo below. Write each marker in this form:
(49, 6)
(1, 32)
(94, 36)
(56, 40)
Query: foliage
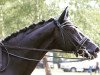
(87, 17)
(16, 14)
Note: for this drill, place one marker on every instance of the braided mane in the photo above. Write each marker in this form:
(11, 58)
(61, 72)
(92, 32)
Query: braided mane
(32, 26)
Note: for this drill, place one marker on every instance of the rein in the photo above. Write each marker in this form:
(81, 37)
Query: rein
(25, 58)
(60, 26)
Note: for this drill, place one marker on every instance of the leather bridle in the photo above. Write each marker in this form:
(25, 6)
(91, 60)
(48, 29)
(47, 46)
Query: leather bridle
(60, 26)
(81, 43)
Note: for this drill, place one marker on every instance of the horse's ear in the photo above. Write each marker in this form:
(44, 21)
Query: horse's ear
(63, 17)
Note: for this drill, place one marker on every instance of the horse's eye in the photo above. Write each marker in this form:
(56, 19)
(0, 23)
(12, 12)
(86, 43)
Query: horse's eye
(73, 30)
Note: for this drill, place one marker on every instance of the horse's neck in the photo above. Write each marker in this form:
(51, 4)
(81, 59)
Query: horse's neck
(35, 38)
(40, 38)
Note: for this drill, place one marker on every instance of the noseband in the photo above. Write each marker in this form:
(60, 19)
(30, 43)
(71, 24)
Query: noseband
(2, 47)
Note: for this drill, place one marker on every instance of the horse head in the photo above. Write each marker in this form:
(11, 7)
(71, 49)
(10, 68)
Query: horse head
(72, 39)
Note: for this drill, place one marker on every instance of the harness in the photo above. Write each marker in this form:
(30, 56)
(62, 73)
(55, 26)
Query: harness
(81, 43)
(3, 48)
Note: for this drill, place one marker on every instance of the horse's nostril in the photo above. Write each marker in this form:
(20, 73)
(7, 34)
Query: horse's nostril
(86, 55)
(97, 50)
(80, 52)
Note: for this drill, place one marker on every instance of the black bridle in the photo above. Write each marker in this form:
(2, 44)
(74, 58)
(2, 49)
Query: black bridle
(60, 26)
(80, 46)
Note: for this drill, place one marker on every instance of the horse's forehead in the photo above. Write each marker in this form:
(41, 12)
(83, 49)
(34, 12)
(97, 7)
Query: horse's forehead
(75, 29)
(72, 29)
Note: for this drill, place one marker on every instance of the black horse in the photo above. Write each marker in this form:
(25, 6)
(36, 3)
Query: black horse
(37, 40)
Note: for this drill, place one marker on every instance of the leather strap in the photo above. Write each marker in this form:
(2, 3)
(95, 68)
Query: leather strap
(0, 57)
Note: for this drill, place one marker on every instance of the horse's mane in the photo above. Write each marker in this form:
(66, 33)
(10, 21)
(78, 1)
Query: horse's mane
(32, 26)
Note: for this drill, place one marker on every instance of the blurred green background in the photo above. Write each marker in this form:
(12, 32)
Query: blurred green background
(17, 14)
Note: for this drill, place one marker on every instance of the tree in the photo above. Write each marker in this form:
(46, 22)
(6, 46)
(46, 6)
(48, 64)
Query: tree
(20, 13)
(86, 16)
(16, 14)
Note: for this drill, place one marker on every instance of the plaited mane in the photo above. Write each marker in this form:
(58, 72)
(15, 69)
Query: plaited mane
(27, 28)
